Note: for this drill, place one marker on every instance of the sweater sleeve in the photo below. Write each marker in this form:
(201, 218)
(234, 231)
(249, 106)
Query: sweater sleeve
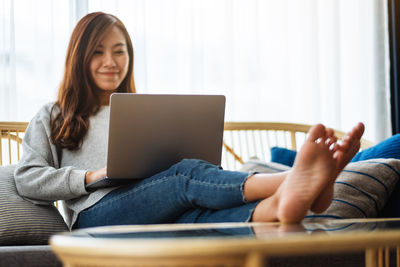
(37, 175)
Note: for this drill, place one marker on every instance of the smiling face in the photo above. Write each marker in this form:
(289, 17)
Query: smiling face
(109, 64)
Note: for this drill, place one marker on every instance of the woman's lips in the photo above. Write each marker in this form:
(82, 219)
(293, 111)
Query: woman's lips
(108, 73)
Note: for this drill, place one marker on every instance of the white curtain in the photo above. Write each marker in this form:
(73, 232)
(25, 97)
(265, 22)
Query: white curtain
(304, 61)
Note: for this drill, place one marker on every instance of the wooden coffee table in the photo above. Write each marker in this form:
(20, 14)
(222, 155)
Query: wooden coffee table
(227, 244)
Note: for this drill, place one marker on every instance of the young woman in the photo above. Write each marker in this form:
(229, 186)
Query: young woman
(65, 149)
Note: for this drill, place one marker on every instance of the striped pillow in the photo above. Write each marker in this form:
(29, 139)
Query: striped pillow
(21, 222)
(362, 189)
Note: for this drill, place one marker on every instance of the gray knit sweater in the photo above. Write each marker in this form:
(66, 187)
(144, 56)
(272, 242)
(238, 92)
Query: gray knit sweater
(42, 177)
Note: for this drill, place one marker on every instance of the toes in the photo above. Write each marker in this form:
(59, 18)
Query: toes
(329, 133)
(330, 141)
(316, 132)
(351, 140)
(360, 128)
(335, 147)
(357, 131)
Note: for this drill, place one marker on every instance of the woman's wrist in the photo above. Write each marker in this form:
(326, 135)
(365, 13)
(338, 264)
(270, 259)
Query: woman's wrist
(88, 177)
(92, 176)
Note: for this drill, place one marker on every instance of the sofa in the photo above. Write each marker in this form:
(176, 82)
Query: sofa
(25, 228)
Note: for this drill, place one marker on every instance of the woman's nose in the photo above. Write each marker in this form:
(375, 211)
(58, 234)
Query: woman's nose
(108, 59)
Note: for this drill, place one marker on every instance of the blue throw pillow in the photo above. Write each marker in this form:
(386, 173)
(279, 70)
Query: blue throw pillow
(283, 155)
(388, 148)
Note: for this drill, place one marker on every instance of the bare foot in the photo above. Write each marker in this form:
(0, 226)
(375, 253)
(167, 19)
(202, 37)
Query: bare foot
(344, 152)
(310, 181)
(312, 171)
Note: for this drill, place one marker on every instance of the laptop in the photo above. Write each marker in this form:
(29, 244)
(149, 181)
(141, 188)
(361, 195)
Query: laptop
(148, 133)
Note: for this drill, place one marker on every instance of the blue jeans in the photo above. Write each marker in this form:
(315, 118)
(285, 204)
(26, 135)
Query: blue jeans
(191, 191)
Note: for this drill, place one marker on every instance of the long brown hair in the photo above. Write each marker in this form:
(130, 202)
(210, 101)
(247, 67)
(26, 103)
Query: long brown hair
(77, 99)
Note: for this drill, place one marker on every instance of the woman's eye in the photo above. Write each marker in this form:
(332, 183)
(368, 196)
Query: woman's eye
(119, 51)
(98, 52)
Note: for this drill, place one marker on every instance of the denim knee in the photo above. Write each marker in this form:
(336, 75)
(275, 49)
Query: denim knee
(188, 166)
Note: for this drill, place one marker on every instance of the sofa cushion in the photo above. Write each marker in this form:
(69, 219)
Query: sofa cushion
(283, 155)
(257, 165)
(361, 190)
(388, 148)
(22, 222)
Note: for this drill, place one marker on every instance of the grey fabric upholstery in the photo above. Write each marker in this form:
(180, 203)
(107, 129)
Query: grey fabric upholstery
(28, 256)
(22, 222)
